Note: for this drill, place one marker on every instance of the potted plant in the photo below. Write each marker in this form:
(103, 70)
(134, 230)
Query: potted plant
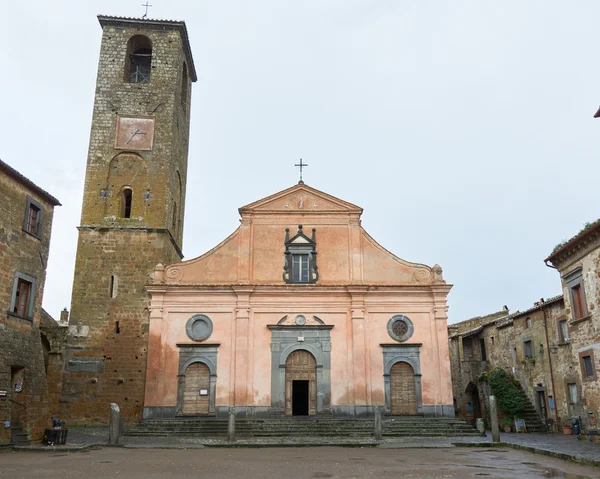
(567, 428)
(506, 424)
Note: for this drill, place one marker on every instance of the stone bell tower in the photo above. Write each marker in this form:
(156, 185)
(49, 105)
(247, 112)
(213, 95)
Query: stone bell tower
(132, 214)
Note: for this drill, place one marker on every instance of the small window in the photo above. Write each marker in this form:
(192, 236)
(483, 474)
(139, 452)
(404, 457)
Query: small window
(483, 351)
(578, 302)
(112, 287)
(21, 302)
(575, 285)
(528, 349)
(300, 268)
(126, 199)
(573, 399)
(139, 60)
(587, 366)
(184, 86)
(563, 331)
(515, 355)
(32, 222)
(528, 323)
(492, 338)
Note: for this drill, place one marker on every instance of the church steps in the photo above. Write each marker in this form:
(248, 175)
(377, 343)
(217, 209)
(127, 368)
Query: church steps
(298, 427)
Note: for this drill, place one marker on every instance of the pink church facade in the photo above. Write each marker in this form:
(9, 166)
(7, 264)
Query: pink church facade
(299, 312)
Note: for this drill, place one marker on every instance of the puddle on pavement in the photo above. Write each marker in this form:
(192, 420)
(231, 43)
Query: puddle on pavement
(550, 472)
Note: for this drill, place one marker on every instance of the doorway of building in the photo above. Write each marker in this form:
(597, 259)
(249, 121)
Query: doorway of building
(541, 400)
(402, 389)
(301, 384)
(196, 392)
(472, 406)
(299, 398)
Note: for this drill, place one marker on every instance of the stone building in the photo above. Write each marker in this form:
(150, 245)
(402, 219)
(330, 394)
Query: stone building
(299, 312)
(578, 263)
(26, 213)
(534, 345)
(132, 214)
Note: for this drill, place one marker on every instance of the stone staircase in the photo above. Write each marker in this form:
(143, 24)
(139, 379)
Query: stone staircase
(17, 436)
(533, 422)
(303, 427)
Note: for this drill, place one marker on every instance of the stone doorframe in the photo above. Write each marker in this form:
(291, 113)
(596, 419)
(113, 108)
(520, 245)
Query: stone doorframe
(285, 339)
(197, 353)
(402, 353)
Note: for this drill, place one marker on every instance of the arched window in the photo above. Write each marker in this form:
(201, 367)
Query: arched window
(126, 202)
(139, 60)
(184, 86)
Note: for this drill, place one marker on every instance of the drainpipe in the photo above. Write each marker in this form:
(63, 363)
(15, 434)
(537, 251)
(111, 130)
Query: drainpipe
(549, 265)
(550, 364)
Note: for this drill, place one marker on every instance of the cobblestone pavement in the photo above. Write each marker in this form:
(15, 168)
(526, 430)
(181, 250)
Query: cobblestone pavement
(291, 463)
(552, 443)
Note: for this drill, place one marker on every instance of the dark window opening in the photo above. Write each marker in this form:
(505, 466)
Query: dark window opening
(139, 60)
(126, 203)
(113, 286)
(483, 351)
(117, 329)
(300, 268)
(33, 219)
(528, 349)
(22, 298)
(587, 366)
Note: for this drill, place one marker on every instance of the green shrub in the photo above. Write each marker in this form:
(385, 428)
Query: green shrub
(507, 391)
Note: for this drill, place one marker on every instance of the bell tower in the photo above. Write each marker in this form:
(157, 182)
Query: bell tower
(132, 214)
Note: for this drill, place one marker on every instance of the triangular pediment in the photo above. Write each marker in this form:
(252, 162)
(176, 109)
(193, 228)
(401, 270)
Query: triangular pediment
(300, 199)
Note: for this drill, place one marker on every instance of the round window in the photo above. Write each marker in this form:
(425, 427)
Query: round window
(400, 327)
(199, 327)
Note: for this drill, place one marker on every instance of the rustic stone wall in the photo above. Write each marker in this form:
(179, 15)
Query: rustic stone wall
(585, 332)
(549, 370)
(21, 348)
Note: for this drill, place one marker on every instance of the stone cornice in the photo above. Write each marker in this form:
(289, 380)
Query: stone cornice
(577, 247)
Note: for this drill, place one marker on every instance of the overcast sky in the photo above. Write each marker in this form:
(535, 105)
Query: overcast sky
(464, 128)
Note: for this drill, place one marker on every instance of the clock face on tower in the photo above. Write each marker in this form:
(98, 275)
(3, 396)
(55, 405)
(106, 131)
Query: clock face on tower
(134, 133)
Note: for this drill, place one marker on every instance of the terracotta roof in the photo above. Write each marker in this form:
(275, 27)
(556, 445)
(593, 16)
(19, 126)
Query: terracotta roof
(172, 24)
(586, 231)
(507, 320)
(10, 171)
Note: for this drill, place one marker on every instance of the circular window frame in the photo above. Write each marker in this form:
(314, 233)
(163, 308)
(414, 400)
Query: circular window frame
(189, 327)
(409, 332)
(300, 320)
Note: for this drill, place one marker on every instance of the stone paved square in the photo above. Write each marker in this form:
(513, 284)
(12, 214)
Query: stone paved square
(289, 463)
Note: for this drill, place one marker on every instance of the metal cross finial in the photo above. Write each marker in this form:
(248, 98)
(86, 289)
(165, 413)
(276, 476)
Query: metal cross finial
(146, 5)
(301, 165)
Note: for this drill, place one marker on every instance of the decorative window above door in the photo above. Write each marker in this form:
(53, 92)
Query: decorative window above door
(300, 265)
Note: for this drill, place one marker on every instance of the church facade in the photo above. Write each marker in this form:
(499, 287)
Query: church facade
(298, 313)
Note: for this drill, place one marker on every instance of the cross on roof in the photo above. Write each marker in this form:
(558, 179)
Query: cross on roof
(146, 5)
(301, 165)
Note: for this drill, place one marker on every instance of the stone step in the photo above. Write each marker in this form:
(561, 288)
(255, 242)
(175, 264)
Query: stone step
(297, 427)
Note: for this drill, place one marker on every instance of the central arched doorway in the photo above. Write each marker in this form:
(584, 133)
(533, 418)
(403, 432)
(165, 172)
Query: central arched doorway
(472, 406)
(403, 396)
(196, 398)
(300, 384)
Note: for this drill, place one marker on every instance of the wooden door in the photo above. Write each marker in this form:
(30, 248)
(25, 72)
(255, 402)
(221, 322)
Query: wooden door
(196, 392)
(402, 389)
(301, 366)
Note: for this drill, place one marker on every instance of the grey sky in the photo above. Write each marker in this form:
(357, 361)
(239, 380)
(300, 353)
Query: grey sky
(463, 128)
